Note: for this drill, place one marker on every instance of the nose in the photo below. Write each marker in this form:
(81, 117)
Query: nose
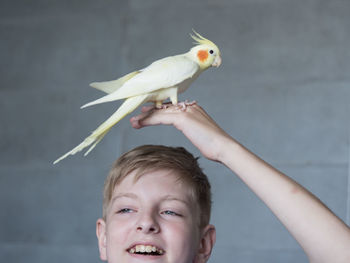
(147, 224)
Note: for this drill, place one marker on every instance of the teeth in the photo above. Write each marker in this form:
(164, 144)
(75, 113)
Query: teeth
(142, 248)
(145, 249)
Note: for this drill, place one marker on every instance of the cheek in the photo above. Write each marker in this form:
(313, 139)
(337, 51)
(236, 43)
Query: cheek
(118, 232)
(202, 55)
(183, 239)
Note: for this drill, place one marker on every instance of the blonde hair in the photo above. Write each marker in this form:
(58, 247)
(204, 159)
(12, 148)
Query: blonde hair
(149, 158)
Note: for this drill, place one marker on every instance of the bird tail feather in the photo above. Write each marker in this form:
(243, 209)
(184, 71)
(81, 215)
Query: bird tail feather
(106, 98)
(97, 135)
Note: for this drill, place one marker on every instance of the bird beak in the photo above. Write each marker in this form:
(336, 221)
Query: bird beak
(217, 61)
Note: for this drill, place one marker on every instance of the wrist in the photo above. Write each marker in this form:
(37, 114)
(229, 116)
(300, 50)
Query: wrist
(227, 146)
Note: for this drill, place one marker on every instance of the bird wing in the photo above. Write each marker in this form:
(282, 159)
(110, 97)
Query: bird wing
(163, 73)
(113, 85)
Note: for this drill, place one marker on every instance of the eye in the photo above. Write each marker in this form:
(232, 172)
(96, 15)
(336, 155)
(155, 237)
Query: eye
(124, 211)
(211, 51)
(170, 213)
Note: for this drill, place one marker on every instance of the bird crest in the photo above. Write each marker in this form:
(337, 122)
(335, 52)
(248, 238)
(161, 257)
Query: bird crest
(200, 40)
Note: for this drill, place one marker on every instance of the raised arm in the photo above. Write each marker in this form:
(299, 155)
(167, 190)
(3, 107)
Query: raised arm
(322, 235)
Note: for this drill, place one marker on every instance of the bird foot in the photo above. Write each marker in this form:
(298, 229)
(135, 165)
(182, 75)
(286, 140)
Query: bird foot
(163, 106)
(183, 105)
(179, 106)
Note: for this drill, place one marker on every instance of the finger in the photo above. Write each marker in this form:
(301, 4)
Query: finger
(135, 119)
(156, 117)
(147, 108)
(171, 115)
(145, 111)
(135, 124)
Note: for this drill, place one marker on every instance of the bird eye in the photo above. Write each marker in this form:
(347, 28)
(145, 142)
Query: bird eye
(211, 51)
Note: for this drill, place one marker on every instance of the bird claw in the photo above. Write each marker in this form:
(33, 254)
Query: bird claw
(183, 105)
(179, 106)
(164, 106)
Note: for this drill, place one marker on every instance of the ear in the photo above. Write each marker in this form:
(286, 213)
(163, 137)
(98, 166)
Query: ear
(102, 238)
(206, 244)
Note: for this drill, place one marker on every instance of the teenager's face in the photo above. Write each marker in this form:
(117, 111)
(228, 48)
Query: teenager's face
(155, 213)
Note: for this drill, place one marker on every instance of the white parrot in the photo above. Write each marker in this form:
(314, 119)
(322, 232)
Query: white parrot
(165, 78)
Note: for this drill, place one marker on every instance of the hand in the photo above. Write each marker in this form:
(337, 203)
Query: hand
(193, 122)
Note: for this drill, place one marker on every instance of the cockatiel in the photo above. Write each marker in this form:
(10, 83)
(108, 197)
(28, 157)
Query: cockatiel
(162, 79)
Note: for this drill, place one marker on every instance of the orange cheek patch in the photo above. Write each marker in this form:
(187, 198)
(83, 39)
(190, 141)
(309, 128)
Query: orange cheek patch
(202, 55)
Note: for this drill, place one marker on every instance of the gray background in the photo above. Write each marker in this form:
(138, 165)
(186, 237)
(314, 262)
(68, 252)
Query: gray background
(283, 90)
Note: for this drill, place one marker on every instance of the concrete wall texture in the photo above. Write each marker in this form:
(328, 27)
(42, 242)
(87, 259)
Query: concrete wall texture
(283, 91)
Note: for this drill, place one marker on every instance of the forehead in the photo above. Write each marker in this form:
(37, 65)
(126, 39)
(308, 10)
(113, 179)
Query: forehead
(157, 182)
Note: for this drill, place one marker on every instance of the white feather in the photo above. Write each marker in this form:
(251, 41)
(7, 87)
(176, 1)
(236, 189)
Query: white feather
(163, 73)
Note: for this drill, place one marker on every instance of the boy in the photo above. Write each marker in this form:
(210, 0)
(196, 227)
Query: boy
(322, 235)
(156, 206)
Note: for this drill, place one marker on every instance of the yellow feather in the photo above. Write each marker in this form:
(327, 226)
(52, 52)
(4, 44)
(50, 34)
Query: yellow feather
(200, 40)
(127, 107)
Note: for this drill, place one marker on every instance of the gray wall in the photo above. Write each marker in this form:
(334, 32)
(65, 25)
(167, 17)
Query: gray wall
(283, 91)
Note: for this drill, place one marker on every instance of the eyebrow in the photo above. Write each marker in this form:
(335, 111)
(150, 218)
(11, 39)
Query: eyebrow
(173, 198)
(121, 195)
(165, 198)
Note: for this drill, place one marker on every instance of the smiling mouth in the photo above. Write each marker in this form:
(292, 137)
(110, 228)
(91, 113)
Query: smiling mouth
(147, 250)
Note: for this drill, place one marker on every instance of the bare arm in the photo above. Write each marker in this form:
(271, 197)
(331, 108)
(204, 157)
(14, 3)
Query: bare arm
(322, 235)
